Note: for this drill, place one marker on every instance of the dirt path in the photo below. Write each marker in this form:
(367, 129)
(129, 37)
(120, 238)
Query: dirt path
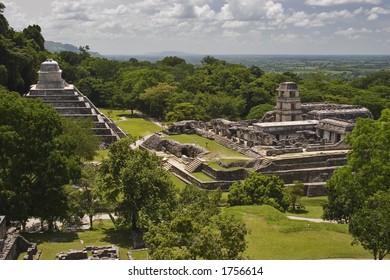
(309, 219)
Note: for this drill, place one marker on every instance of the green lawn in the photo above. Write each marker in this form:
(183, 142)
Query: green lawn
(131, 124)
(273, 236)
(313, 207)
(179, 184)
(216, 150)
(202, 176)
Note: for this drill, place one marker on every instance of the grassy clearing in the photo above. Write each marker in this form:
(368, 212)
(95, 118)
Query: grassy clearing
(217, 151)
(104, 233)
(179, 184)
(273, 236)
(131, 124)
(313, 207)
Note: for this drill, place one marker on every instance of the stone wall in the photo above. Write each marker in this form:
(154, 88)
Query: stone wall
(213, 185)
(157, 143)
(15, 244)
(304, 175)
(225, 175)
(105, 252)
(3, 228)
(184, 127)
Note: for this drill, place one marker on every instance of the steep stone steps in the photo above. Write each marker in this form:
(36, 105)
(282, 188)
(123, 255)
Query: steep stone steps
(167, 166)
(194, 165)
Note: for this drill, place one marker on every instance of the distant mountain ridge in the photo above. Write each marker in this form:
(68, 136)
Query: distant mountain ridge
(56, 47)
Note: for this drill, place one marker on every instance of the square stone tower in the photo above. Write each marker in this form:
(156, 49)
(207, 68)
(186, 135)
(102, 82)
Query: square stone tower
(288, 103)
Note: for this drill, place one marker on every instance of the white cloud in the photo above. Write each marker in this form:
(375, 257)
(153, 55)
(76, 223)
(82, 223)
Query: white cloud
(374, 13)
(203, 26)
(299, 19)
(251, 10)
(235, 24)
(335, 14)
(284, 38)
(14, 12)
(353, 33)
(230, 34)
(302, 19)
(204, 12)
(340, 2)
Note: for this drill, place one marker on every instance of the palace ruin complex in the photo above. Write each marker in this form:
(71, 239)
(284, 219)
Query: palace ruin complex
(294, 141)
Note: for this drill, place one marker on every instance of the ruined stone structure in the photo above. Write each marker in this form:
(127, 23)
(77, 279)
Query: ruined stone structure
(182, 127)
(157, 143)
(295, 141)
(286, 129)
(107, 252)
(70, 102)
(288, 103)
(12, 244)
(332, 130)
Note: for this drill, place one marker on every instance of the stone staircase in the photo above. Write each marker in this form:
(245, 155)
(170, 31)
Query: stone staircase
(70, 102)
(167, 166)
(194, 165)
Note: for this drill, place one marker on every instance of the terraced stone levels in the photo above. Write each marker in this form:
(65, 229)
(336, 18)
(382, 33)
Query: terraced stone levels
(70, 102)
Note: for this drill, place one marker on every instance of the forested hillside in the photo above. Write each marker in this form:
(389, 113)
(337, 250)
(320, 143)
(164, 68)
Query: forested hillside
(172, 89)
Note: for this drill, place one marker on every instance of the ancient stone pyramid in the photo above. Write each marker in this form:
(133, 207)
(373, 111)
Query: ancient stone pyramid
(70, 102)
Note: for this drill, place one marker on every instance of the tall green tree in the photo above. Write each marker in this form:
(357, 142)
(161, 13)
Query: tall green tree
(33, 32)
(366, 172)
(197, 230)
(259, 189)
(36, 160)
(295, 192)
(155, 99)
(370, 225)
(80, 134)
(85, 200)
(134, 182)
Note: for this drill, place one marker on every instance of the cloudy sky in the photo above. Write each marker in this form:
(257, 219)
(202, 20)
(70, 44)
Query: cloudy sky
(211, 26)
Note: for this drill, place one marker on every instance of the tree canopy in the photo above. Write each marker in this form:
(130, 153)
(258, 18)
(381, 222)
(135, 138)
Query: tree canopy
(134, 182)
(197, 230)
(366, 172)
(259, 189)
(370, 225)
(37, 159)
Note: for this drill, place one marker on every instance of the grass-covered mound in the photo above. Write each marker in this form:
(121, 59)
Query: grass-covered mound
(274, 236)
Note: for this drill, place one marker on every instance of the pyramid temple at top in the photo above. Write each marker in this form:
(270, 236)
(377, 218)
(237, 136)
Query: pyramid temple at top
(70, 102)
